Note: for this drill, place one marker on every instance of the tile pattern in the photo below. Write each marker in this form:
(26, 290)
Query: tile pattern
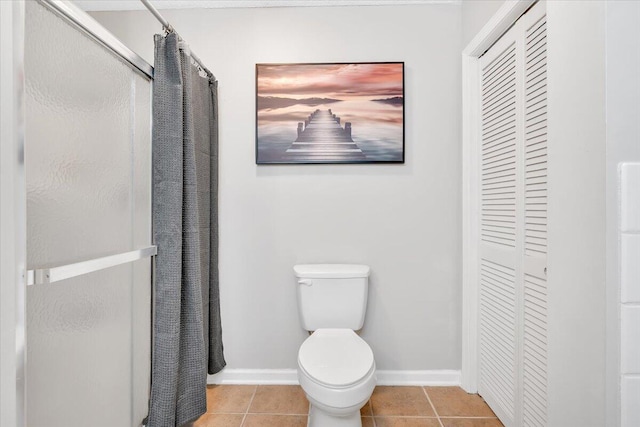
(390, 406)
(629, 237)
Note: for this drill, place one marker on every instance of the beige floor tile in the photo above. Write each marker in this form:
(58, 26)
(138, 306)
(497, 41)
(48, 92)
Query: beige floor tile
(367, 422)
(453, 401)
(262, 420)
(406, 422)
(365, 411)
(219, 420)
(408, 401)
(471, 422)
(279, 399)
(229, 398)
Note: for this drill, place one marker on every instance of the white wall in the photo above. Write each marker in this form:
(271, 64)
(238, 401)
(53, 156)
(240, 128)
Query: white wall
(623, 145)
(576, 233)
(402, 220)
(475, 14)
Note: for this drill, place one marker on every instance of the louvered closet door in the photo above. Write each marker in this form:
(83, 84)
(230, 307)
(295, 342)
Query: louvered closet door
(501, 197)
(513, 223)
(534, 343)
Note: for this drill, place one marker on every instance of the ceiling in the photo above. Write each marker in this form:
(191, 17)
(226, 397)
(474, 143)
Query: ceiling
(104, 5)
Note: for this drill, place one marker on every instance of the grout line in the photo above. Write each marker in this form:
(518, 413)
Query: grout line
(249, 405)
(258, 413)
(410, 417)
(472, 418)
(373, 419)
(432, 406)
(280, 414)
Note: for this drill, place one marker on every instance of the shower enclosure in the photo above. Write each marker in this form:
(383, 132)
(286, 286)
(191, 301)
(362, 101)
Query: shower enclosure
(87, 173)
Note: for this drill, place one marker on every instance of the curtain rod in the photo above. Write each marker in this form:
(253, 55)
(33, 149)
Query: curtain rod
(169, 29)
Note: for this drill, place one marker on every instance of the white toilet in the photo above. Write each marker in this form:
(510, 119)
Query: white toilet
(336, 368)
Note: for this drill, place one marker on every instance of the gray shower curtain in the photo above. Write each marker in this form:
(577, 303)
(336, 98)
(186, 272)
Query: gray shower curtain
(187, 339)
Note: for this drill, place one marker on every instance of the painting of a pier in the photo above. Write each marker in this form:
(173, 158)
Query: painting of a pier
(330, 113)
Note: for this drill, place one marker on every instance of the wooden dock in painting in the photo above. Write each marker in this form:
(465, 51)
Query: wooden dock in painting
(321, 138)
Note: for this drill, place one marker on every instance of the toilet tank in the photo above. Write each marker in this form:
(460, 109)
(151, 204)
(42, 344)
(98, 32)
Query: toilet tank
(332, 295)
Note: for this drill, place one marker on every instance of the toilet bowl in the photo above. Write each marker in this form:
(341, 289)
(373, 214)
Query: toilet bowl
(337, 372)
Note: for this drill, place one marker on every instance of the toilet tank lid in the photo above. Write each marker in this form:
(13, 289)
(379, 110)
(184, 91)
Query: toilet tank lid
(331, 271)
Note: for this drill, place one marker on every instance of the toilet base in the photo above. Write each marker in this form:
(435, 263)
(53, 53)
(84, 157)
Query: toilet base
(320, 418)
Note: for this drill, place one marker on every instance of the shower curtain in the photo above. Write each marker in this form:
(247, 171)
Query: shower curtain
(187, 341)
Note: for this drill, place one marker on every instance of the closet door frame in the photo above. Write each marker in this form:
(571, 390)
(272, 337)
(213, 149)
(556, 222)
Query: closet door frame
(503, 19)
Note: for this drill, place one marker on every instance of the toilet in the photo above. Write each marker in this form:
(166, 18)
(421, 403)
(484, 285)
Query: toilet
(336, 368)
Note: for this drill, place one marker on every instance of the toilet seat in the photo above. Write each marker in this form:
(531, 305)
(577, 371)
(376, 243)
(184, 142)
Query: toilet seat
(336, 358)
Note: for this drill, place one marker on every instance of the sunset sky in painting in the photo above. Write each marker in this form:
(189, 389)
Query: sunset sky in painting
(337, 81)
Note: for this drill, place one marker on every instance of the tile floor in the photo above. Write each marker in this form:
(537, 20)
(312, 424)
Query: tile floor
(287, 406)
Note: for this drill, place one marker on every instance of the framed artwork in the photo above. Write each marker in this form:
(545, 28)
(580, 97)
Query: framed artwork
(330, 113)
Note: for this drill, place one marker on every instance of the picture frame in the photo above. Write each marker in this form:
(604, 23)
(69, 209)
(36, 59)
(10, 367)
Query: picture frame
(329, 113)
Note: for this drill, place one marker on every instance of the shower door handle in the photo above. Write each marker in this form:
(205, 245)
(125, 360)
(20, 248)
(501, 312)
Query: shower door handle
(54, 274)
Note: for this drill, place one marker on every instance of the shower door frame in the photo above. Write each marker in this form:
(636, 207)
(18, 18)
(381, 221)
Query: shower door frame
(13, 269)
(12, 218)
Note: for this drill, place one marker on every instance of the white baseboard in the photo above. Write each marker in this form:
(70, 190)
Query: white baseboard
(290, 376)
(432, 378)
(254, 376)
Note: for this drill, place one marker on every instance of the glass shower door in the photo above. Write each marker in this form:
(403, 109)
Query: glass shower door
(88, 155)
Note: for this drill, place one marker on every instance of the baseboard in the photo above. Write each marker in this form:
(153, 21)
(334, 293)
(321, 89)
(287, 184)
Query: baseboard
(254, 376)
(432, 378)
(290, 376)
